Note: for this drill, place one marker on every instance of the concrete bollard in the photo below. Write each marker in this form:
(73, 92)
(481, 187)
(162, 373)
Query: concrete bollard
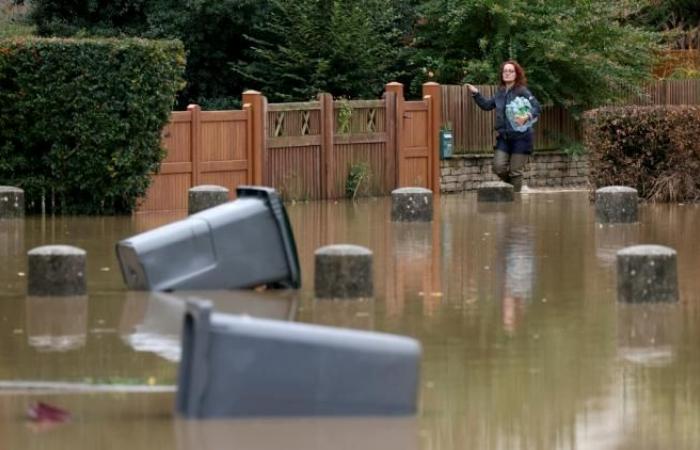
(56, 270)
(11, 202)
(616, 204)
(411, 204)
(495, 191)
(647, 273)
(343, 271)
(204, 197)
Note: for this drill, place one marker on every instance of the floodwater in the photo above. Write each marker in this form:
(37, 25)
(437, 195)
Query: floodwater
(524, 343)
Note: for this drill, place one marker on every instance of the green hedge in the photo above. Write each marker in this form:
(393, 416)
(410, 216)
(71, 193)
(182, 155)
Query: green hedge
(654, 149)
(80, 119)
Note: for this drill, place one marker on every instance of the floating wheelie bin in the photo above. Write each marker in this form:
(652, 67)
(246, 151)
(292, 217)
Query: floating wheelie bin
(241, 244)
(233, 366)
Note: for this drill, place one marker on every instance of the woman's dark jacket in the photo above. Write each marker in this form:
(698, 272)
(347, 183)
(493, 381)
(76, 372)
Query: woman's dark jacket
(499, 101)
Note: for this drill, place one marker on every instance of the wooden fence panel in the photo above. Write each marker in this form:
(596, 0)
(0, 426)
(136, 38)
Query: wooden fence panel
(211, 147)
(223, 158)
(175, 174)
(293, 153)
(296, 172)
(360, 138)
(373, 154)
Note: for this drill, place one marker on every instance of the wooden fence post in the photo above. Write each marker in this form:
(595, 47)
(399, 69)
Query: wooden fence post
(433, 90)
(195, 141)
(248, 108)
(394, 117)
(326, 153)
(258, 107)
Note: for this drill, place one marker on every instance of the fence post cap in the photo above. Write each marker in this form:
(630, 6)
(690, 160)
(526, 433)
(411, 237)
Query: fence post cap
(251, 92)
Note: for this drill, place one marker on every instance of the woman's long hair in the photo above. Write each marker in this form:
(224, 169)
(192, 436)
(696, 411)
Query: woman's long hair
(520, 78)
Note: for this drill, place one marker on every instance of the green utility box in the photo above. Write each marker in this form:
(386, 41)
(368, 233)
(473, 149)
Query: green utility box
(446, 144)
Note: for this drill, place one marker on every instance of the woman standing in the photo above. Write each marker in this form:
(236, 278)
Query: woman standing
(516, 111)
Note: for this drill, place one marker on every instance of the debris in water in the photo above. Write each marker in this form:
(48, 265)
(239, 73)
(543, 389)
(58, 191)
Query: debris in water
(43, 412)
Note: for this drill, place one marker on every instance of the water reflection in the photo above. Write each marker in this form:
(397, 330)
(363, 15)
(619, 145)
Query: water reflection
(344, 313)
(11, 237)
(152, 321)
(413, 266)
(564, 367)
(648, 333)
(373, 433)
(56, 324)
(518, 273)
(612, 238)
(145, 422)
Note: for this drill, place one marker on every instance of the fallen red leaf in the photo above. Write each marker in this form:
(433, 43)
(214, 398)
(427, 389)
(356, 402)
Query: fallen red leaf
(43, 412)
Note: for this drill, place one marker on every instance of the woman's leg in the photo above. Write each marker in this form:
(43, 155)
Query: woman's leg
(521, 149)
(517, 163)
(501, 165)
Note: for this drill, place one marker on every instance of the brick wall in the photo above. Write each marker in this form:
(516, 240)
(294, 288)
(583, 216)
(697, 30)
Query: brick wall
(547, 169)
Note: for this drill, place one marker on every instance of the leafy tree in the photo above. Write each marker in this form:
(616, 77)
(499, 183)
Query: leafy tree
(679, 20)
(213, 32)
(345, 47)
(574, 51)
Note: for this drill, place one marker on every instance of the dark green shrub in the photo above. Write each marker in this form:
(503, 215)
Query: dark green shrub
(654, 149)
(80, 120)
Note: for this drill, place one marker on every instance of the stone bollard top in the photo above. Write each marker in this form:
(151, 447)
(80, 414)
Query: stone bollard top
(647, 250)
(208, 188)
(411, 190)
(12, 189)
(343, 249)
(495, 184)
(616, 189)
(56, 250)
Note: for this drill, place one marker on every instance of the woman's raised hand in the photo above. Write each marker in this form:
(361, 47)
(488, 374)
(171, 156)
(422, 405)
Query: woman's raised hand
(471, 88)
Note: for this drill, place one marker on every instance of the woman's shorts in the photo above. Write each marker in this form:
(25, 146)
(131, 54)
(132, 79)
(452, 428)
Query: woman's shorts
(520, 144)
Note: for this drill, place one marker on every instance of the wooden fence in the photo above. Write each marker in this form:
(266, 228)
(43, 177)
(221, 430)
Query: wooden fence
(203, 147)
(312, 145)
(473, 128)
(304, 150)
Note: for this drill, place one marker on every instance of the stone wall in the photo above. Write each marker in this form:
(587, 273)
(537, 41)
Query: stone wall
(545, 169)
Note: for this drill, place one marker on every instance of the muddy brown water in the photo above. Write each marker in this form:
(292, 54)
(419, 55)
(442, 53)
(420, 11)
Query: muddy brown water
(524, 343)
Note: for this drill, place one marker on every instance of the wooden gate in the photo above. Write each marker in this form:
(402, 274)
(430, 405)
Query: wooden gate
(417, 138)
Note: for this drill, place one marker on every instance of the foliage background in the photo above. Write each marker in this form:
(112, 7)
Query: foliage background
(576, 52)
(80, 120)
